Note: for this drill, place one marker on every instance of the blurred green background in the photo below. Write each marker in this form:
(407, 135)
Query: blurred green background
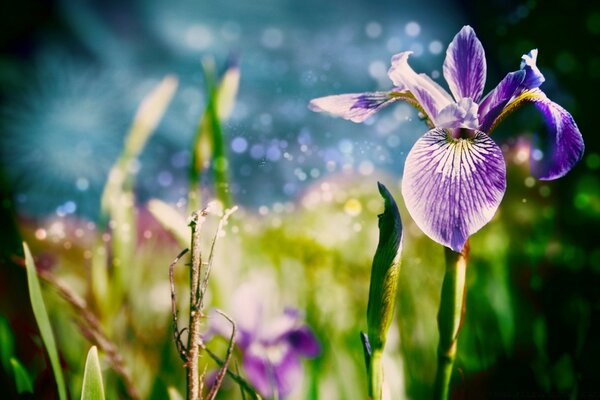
(71, 76)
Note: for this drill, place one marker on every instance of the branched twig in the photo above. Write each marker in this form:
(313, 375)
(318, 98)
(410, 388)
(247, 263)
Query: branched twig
(221, 374)
(194, 338)
(199, 276)
(176, 332)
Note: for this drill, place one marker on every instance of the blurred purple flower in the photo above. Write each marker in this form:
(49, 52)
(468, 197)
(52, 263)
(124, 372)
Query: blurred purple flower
(271, 348)
(455, 175)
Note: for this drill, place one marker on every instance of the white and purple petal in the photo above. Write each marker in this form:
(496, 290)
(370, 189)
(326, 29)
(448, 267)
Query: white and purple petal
(459, 115)
(429, 94)
(453, 187)
(493, 104)
(288, 374)
(259, 370)
(561, 147)
(272, 370)
(281, 326)
(356, 107)
(534, 77)
(465, 66)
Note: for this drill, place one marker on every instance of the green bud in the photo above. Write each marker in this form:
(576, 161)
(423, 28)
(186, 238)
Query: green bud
(384, 272)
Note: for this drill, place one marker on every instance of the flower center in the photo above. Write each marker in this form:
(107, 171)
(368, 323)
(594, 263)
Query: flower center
(462, 133)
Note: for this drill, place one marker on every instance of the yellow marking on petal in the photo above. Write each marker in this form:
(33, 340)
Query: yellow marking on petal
(532, 95)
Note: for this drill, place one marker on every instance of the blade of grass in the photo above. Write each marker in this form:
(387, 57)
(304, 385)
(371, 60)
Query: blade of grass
(93, 388)
(209, 145)
(22, 379)
(118, 200)
(171, 220)
(174, 394)
(41, 317)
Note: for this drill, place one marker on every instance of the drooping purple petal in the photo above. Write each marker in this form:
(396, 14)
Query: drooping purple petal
(453, 187)
(274, 369)
(497, 99)
(259, 370)
(429, 94)
(459, 115)
(464, 66)
(303, 341)
(556, 152)
(534, 77)
(288, 374)
(356, 107)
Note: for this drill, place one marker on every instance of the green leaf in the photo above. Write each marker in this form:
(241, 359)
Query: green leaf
(22, 379)
(7, 344)
(41, 317)
(93, 389)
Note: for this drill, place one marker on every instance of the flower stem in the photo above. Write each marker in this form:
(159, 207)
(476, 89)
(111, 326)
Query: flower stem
(375, 373)
(450, 318)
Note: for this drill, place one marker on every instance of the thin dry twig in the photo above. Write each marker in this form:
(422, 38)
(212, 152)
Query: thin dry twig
(204, 283)
(176, 332)
(221, 374)
(237, 378)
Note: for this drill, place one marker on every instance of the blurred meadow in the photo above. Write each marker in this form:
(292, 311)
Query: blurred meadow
(119, 119)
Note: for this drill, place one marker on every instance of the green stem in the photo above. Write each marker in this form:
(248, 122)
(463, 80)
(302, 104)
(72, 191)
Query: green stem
(375, 372)
(450, 318)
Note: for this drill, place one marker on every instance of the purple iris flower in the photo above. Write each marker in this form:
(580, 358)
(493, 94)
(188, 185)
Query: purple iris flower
(455, 175)
(271, 348)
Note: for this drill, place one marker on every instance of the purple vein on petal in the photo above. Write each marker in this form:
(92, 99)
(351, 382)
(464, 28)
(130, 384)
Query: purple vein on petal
(562, 145)
(429, 94)
(498, 98)
(356, 107)
(465, 66)
(453, 187)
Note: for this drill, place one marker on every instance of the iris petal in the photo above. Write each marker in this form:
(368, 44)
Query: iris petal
(429, 94)
(280, 370)
(304, 342)
(453, 187)
(497, 99)
(259, 371)
(562, 145)
(534, 77)
(464, 66)
(356, 107)
(288, 374)
(459, 115)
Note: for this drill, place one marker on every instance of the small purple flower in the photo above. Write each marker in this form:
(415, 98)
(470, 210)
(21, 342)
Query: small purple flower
(271, 348)
(455, 175)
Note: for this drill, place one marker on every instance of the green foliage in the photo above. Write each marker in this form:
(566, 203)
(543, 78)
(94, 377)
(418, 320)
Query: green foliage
(41, 317)
(209, 143)
(22, 379)
(7, 344)
(93, 388)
